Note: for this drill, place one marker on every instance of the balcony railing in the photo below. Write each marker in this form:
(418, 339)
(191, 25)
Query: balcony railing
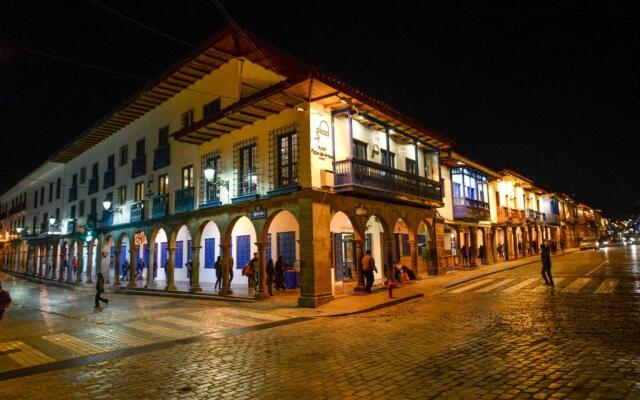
(137, 212)
(44, 227)
(160, 206)
(71, 226)
(370, 175)
(107, 218)
(510, 216)
(184, 200)
(92, 220)
(161, 157)
(138, 166)
(73, 193)
(93, 185)
(535, 216)
(466, 208)
(109, 179)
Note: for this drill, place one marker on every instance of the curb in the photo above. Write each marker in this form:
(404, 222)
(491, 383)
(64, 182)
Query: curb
(394, 302)
(453, 284)
(181, 295)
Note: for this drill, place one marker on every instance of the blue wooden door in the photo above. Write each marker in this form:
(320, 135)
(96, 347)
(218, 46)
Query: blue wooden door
(287, 247)
(243, 250)
(209, 253)
(179, 262)
(164, 255)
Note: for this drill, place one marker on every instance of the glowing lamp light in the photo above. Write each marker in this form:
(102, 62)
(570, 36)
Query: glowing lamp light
(52, 220)
(19, 229)
(89, 238)
(209, 173)
(106, 204)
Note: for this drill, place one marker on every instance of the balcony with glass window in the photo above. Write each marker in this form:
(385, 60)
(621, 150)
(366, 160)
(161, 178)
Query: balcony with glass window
(160, 206)
(535, 216)
(510, 216)
(184, 200)
(73, 193)
(138, 166)
(109, 179)
(93, 185)
(468, 209)
(137, 212)
(161, 157)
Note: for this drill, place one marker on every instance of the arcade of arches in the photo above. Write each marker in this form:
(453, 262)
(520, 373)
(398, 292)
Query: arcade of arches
(302, 228)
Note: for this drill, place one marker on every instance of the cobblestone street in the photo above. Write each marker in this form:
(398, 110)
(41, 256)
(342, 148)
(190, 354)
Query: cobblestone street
(498, 337)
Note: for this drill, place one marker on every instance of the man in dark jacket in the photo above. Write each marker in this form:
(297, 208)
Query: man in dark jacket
(545, 256)
(5, 300)
(100, 290)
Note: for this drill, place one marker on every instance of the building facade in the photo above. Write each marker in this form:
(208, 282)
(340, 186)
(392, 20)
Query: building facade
(234, 152)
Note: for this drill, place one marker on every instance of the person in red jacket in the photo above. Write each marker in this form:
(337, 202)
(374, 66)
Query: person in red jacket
(5, 300)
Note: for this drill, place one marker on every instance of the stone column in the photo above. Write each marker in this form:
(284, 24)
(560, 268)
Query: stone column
(80, 258)
(62, 257)
(150, 267)
(133, 250)
(262, 271)
(358, 254)
(69, 263)
(225, 251)
(171, 286)
(89, 262)
(54, 261)
(116, 266)
(413, 251)
(437, 252)
(388, 253)
(315, 248)
(473, 246)
(41, 260)
(507, 245)
(195, 269)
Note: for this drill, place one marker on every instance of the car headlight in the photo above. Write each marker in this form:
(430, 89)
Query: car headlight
(605, 243)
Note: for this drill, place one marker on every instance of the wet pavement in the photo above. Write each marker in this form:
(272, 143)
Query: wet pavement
(502, 336)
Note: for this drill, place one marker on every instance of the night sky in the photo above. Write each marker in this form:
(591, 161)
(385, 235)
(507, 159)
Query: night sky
(552, 92)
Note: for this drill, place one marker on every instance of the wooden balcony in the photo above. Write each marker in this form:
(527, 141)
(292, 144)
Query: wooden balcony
(137, 212)
(356, 175)
(510, 216)
(470, 209)
(160, 206)
(535, 216)
(184, 200)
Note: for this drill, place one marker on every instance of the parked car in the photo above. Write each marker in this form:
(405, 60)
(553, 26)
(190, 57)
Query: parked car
(589, 242)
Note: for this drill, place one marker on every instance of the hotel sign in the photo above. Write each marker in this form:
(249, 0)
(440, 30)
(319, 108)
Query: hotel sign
(321, 141)
(258, 213)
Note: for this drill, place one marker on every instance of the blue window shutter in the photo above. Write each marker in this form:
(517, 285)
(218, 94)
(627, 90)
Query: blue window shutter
(243, 250)
(145, 249)
(155, 254)
(406, 249)
(137, 255)
(189, 251)
(209, 252)
(179, 250)
(269, 247)
(287, 246)
(164, 255)
(123, 255)
(422, 239)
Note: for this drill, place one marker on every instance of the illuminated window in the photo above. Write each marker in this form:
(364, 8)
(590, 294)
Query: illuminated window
(139, 192)
(163, 184)
(186, 119)
(287, 159)
(187, 177)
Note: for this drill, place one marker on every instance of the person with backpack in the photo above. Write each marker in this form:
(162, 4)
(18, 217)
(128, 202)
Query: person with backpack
(368, 268)
(5, 301)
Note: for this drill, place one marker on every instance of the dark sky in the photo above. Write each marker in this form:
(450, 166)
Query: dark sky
(552, 92)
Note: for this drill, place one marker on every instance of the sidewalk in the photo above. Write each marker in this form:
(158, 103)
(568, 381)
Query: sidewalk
(285, 304)
(357, 303)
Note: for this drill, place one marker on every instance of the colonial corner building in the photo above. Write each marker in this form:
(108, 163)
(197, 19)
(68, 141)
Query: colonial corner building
(240, 148)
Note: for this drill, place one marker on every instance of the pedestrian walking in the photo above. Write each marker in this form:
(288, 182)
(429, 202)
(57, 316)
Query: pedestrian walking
(74, 266)
(520, 249)
(99, 291)
(554, 248)
(500, 252)
(465, 255)
(481, 253)
(5, 301)
(545, 257)
(139, 269)
(280, 266)
(155, 270)
(218, 267)
(255, 270)
(271, 272)
(189, 266)
(368, 268)
(124, 270)
(563, 245)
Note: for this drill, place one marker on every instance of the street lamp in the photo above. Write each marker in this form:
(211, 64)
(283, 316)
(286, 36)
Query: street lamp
(209, 173)
(19, 229)
(52, 220)
(106, 204)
